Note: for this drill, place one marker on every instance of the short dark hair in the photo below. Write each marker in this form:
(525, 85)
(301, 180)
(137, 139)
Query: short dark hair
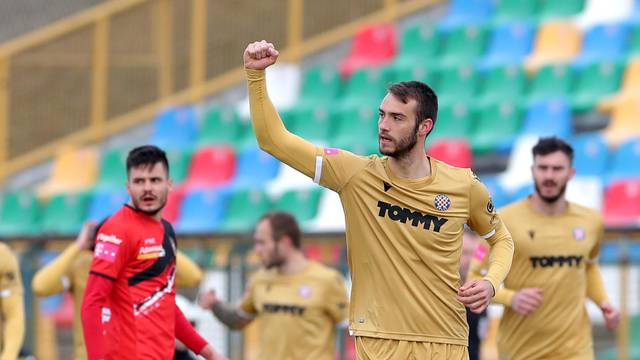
(147, 155)
(424, 95)
(548, 145)
(283, 224)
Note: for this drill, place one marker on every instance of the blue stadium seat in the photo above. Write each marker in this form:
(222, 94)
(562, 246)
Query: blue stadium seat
(175, 128)
(626, 162)
(463, 12)
(590, 154)
(547, 118)
(202, 211)
(499, 196)
(609, 253)
(510, 43)
(104, 203)
(604, 42)
(522, 192)
(255, 168)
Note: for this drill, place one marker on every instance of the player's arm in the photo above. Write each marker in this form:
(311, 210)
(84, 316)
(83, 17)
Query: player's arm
(232, 316)
(11, 305)
(52, 278)
(337, 301)
(595, 286)
(478, 268)
(188, 273)
(190, 337)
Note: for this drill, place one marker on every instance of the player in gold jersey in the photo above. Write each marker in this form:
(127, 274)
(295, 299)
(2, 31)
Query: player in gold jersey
(554, 267)
(70, 271)
(405, 215)
(11, 305)
(298, 302)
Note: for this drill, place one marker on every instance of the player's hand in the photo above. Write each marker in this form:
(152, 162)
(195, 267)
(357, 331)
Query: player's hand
(208, 299)
(210, 354)
(85, 237)
(611, 315)
(526, 301)
(260, 55)
(476, 294)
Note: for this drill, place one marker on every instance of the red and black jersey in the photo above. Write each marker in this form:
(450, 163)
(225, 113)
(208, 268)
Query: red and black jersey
(137, 253)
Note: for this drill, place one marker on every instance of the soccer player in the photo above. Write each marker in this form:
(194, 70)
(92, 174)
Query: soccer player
(405, 214)
(70, 270)
(11, 305)
(298, 302)
(129, 309)
(554, 267)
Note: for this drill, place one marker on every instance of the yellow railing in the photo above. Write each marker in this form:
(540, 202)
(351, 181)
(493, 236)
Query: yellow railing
(115, 65)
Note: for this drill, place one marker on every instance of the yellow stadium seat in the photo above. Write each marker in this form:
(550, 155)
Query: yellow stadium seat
(73, 170)
(630, 88)
(556, 42)
(624, 122)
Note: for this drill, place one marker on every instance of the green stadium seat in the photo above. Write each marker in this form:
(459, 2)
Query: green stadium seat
(244, 209)
(463, 45)
(320, 85)
(456, 84)
(634, 42)
(365, 85)
(355, 122)
(454, 122)
(19, 214)
(551, 81)
(312, 124)
(220, 126)
(179, 161)
(515, 10)
(505, 83)
(594, 83)
(303, 203)
(418, 71)
(420, 44)
(551, 9)
(203, 256)
(65, 213)
(113, 171)
(496, 127)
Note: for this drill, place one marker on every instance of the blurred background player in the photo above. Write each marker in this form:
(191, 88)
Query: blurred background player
(555, 265)
(70, 271)
(298, 302)
(11, 305)
(129, 309)
(405, 215)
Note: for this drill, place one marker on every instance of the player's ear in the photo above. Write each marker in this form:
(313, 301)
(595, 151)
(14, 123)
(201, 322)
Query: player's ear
(425, 127)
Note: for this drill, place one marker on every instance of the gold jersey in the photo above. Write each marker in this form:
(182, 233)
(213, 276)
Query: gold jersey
(12, 322)
(297, 314)
(557, 254)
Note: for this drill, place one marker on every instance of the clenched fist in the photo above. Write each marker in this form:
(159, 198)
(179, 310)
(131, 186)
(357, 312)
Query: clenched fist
(260, 55)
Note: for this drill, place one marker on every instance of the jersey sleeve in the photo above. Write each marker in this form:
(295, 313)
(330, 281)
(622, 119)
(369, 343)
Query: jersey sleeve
(485, 221)
(337, 299)
(247, 304)
(54, 277)
(188, 273)
(595, 284)
(11, 305)
(111, 252)
(335, 167)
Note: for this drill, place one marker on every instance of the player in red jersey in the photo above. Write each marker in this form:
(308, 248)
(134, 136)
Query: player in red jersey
(129, 309)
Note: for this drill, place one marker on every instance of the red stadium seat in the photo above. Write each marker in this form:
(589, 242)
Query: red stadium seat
(211, 166)
(372, 46)
(622, 203)
(171, 211)
(313, 251)
(456, 152)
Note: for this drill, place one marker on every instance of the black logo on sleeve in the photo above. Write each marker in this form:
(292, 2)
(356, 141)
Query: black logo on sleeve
(415, 218)
(532, 234)
(490, 207)
(387, 186)
(560, 261)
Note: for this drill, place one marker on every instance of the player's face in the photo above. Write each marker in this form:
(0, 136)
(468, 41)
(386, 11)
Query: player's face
(397, 129)
(551, 173)
(267, 249)
(148, 187)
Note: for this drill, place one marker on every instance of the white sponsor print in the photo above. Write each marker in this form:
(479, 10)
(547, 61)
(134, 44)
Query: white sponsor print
(152, 249)
(109, 238)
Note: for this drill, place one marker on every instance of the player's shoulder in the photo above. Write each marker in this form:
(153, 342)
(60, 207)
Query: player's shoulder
(515, 206)
(5, 251)
(8, 258)
(323, 272)
(585, 212)
(115, 226)
(459, 174)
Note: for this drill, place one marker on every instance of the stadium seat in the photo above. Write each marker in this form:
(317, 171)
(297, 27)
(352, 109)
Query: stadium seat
(498, 195)
(462, 12)
(312, 124)
(606, 42)
(457, 84)
(19, 214)
(496, 128)
(202, 211)
(171, 211)
(634, 41)
(548, 118)
(303, 203)
(283, 85)
(364, 86)
(586, 191)
(553, 9)
(372, 46)
(597, 12)
(624, 122)
(211, 166)
(220, 126)
(113, 169)
(73, 170)
(420, 44)
(630, 87)
(244, 209)
(65, 213)
(255, 168)
(175, 128)
(456, 152)
(463, 45)
(591, 154)
(625, 163)
(510, 43)
(330, 216)
(288, 179)
(555, 42)
(551, 81)
(355, 124)
(522, 192)
(508, 11)
(454, 121)
(320, 86)
(596, 81)
(105, 203)
(622, 203)
(179, 161)
(518, 172)
(502, 83)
